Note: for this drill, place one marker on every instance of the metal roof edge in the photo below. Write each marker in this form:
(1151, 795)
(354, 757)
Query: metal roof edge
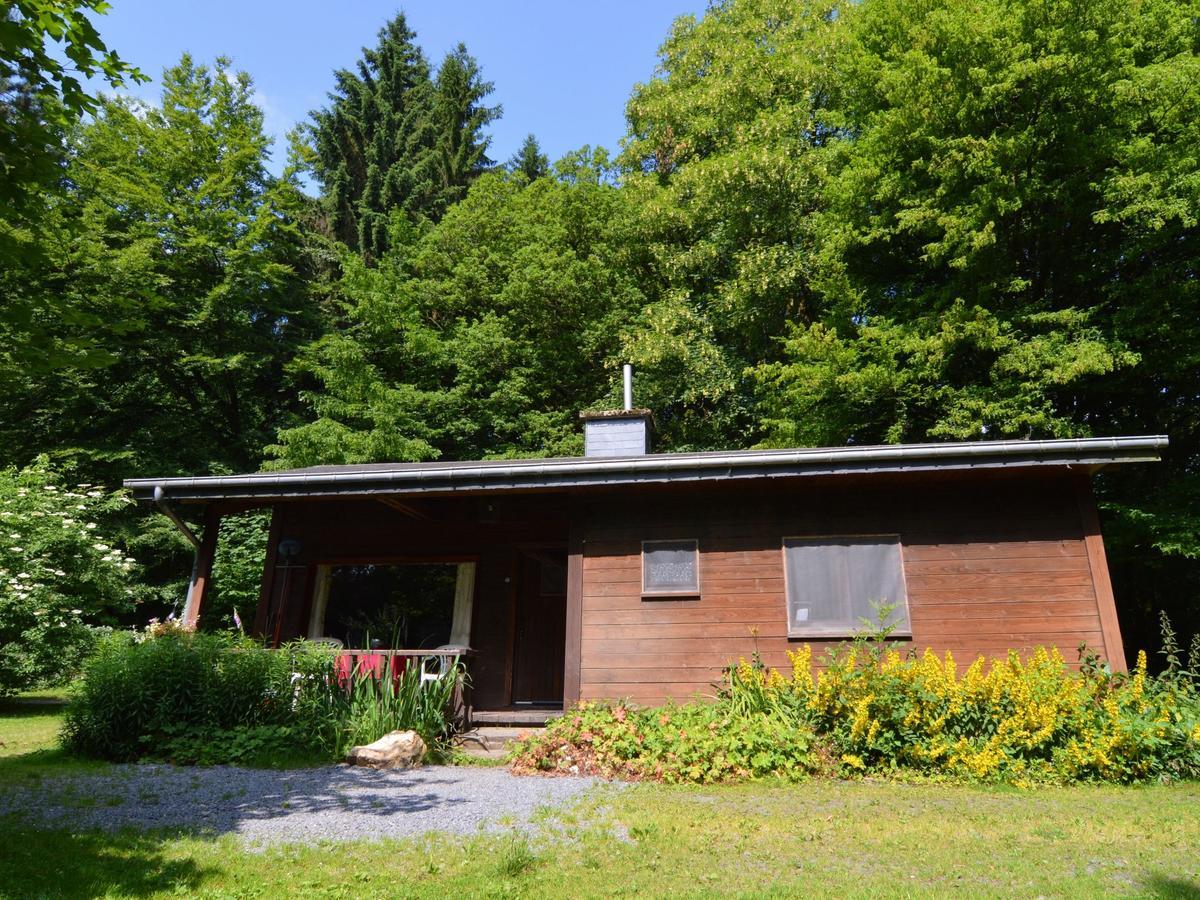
(579, 472)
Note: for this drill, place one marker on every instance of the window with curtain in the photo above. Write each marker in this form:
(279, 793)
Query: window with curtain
(834, 583)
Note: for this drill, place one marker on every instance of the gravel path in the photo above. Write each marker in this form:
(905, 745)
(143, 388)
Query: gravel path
(299, 805)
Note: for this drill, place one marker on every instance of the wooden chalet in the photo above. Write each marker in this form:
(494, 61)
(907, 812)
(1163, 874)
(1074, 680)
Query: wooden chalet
(627, 574)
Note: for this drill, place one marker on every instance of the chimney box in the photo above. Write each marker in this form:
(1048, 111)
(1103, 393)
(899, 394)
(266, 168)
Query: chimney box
(617, 432)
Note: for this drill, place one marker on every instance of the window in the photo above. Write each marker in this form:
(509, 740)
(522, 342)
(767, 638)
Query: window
(833, 583)
(670, 567)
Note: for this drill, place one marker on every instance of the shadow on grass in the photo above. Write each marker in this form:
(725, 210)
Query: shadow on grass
(91, 864)
(1174, 888)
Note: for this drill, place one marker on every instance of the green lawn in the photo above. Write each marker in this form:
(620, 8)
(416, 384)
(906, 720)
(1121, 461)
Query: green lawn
(859, 839)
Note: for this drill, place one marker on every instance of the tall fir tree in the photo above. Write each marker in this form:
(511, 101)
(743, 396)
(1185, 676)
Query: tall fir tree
(529, 161)
(396, 140)
(373, 145)
(460, 117)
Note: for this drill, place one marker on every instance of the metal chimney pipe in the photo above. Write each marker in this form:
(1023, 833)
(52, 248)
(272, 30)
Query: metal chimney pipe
(628, 372)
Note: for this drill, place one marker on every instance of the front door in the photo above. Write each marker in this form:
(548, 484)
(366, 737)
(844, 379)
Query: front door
(541, 629)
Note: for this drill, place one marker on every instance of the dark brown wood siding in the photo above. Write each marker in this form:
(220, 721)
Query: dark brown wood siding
(491, 533)
(992, 563)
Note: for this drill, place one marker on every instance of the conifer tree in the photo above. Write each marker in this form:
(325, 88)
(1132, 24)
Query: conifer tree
(461, 117)
(373, 144)
(530, 161)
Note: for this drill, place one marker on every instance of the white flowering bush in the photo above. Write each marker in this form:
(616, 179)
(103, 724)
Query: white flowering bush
(60, 575)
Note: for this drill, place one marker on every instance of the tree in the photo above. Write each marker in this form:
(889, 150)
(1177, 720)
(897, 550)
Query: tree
(460, 117)
(529, 160)
(723, 158)
(174, 251)
(41, 98)
(373, 144)
(40, 93)
(61, 571)
(482, 337)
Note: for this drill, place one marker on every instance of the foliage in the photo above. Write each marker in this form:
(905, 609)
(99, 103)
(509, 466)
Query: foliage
(178, 256)
(61, 570)
(371, 707)
(484, 336)
(695, 742)
(393, 140)
(46, 46)
(1013, 720)
(40, 91)
(209, 697)
(530, 161)
(237, 570)
(194, 698)
(460, 117)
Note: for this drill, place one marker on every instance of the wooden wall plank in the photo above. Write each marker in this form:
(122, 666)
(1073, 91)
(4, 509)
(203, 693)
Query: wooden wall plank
(990, 566)
(1114, 649)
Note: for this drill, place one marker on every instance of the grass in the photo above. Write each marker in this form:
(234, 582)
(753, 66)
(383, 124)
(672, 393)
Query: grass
(764, 839)
(29, 726)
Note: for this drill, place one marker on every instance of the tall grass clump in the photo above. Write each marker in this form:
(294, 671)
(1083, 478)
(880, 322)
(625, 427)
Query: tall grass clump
(370, 707)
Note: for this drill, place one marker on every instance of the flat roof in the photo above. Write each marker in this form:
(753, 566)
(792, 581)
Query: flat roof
(655, 468)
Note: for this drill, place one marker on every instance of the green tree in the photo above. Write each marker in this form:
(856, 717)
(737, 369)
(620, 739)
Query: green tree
(460, 117)
(41, 98)
(723, 160)
(40, 92)
(530, 161)
(178, 257)
(484, 336)
(61, 571)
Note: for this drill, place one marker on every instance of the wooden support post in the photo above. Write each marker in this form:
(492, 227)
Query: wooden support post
(202, 568)
(1114, 648)
(574, 646)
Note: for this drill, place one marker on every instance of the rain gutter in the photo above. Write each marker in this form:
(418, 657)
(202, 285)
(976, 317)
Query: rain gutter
(628, 470)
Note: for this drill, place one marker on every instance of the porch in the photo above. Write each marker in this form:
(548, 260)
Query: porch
(394, 584)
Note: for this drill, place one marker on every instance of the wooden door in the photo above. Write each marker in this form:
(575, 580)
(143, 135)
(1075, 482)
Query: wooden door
(541, 630)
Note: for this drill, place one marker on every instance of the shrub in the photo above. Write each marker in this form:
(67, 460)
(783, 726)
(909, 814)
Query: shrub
(144, 698)
(873, 711)
(58, 574)
(693, 742)
(218, 698)
(1009, 720)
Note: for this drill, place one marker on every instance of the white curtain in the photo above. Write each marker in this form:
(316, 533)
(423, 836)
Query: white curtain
(464, 599)
(316, 622)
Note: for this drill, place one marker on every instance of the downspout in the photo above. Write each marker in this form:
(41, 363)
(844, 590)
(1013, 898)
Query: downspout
(160, 500)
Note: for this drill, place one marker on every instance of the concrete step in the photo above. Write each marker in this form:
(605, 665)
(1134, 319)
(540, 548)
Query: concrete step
(528, 716)
(491, 741)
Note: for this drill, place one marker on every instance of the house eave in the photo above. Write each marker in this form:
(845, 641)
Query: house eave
(572, 473)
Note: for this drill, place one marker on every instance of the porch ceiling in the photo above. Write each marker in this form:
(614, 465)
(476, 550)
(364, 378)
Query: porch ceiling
(562, 473)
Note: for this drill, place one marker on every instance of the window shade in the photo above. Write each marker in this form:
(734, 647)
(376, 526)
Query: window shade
(834, 583)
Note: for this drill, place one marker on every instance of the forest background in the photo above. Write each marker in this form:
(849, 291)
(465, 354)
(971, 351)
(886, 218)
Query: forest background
(828, 223)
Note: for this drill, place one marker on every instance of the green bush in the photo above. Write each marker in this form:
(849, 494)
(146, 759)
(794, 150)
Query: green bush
(871, 710)
(218, 698)
(694, 742)
(143, 697)
(59, 574)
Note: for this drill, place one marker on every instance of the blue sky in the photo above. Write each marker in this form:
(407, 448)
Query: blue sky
(562, 70)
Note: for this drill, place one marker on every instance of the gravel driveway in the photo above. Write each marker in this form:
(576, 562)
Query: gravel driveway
(297, 805)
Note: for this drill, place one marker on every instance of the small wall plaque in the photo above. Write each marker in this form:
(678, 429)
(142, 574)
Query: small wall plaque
(670, 568)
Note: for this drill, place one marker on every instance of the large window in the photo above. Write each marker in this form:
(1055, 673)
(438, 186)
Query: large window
(670, 568)
(835, 583)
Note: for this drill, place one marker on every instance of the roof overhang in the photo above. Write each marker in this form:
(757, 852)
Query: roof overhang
(560, 473)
